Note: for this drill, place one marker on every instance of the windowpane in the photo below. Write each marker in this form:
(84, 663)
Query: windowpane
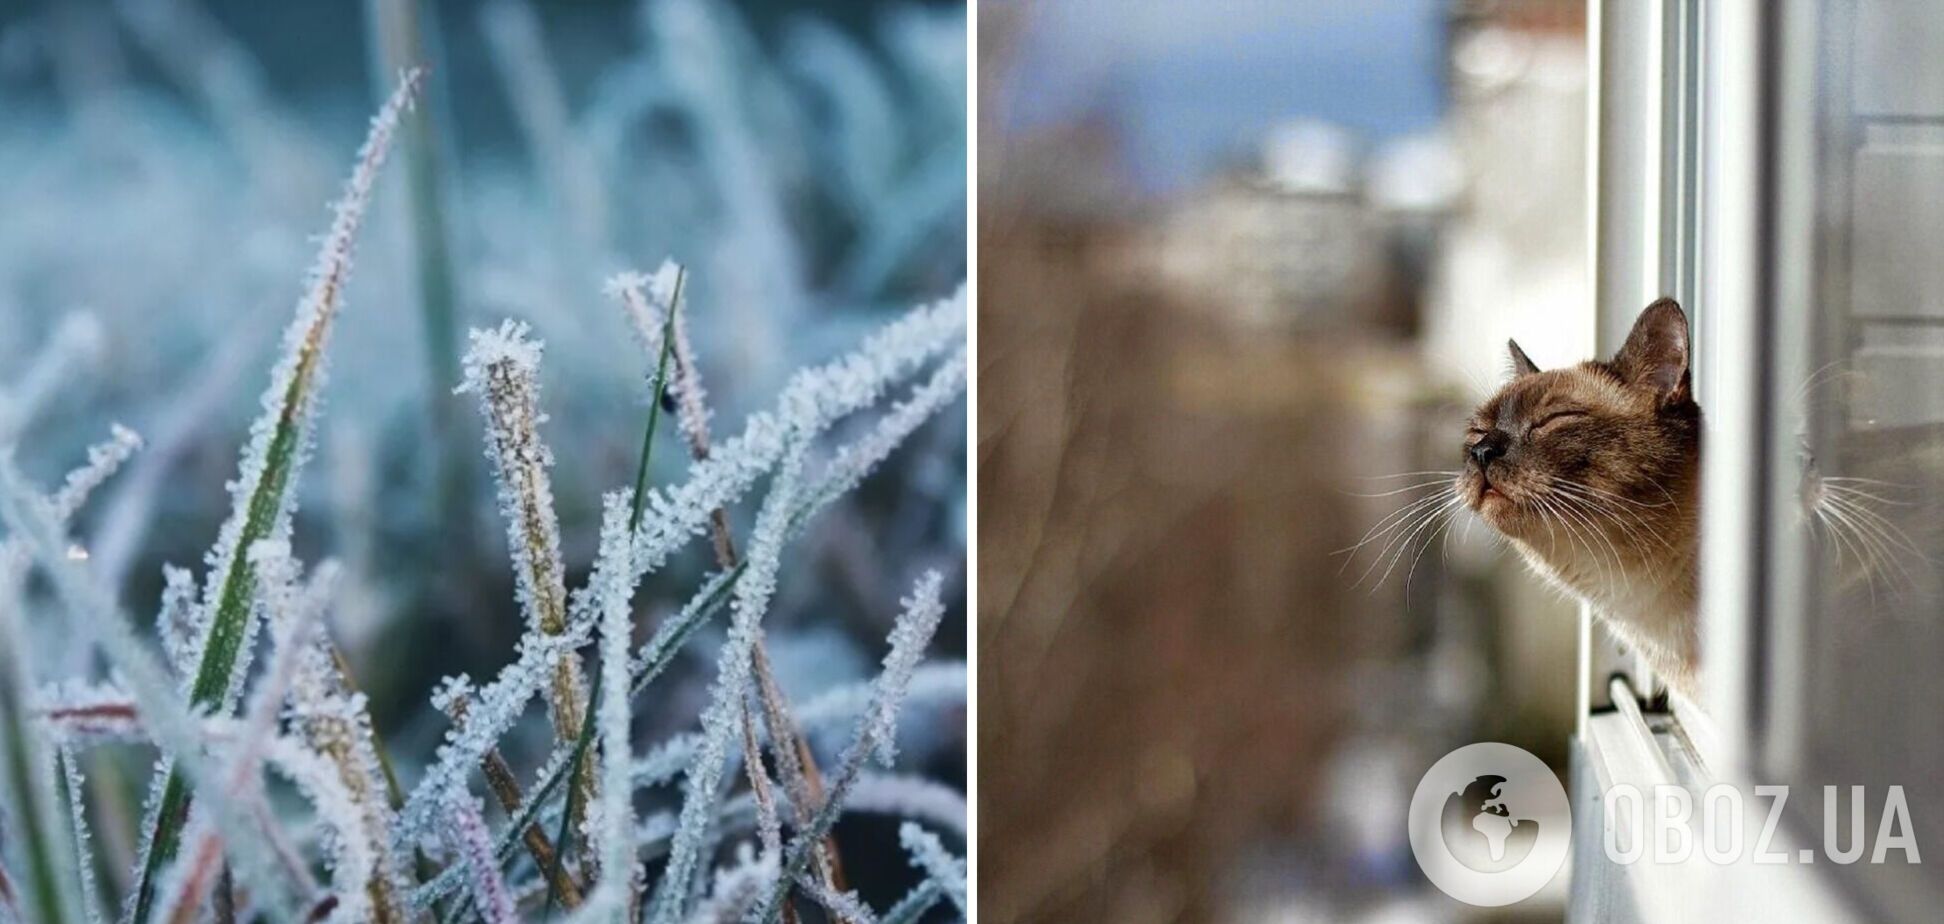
(1857, 664)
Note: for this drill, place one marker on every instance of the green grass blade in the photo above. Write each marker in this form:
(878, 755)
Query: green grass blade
(268, 502)
(26, 798)
(655, 406)
(561, 845)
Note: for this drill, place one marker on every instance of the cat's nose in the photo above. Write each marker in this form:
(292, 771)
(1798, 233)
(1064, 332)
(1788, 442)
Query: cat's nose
(1489, 447)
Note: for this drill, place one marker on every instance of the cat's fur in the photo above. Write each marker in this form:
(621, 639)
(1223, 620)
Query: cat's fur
(1593, 472)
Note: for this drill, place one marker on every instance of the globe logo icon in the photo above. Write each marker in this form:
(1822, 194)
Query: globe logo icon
(1482, 832)
(1490, 824)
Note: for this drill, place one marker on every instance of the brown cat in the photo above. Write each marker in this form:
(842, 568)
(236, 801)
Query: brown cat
(1593, 472)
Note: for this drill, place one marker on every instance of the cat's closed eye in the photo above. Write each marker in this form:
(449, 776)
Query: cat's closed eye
(1554, 418)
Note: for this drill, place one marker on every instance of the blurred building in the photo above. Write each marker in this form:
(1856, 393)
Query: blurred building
(1276, 256)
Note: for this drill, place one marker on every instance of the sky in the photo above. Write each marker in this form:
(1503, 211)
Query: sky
(1192, 84)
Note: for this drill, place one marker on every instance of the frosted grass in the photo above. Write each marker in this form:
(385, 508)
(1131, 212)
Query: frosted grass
(815, 398)
(226, 725)
(614, 815)
(303, 721)
(502, 368)
(262, 501)
(732, 687)
(30, 516)
(875, 733)
(940, 866)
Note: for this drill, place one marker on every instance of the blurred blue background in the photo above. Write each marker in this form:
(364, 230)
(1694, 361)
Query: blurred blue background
(1194, 91)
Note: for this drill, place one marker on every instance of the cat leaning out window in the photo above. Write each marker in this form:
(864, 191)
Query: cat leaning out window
(1592, 472)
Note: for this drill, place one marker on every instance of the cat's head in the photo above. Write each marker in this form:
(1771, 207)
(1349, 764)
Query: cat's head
(1554, 446)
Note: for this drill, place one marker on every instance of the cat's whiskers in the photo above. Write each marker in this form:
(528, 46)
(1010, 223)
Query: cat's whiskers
(1874, 541)
(1434, 522)
(1451, 513)
(1845, 534)
(1593, 533)
(1629, 537)
(1616, 496)
(1384, 527)
(1440, 483)
(1885, 543)
(1618, 571)
(1812, 381)
(1890, 532)
(1575, 536)
(1451, 473)
(1602, 502)
(1595, 503)
(1401, 540)
(1574, 541)
(1832, 483)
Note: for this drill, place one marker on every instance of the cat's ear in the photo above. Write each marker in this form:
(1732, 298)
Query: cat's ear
(1655, 355)
(1521, 363)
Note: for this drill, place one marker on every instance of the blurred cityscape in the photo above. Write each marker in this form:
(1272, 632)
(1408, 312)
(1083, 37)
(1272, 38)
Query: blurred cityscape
(1241, 276)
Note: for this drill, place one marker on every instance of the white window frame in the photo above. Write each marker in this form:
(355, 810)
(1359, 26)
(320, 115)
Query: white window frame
(1684, 115)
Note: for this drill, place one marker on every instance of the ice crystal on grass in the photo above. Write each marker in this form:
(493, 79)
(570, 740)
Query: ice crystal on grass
(930, 683)
(854, 462)
(179, 621)
(30, 516)
(29, 797)
(293, 615)
(348, 839)
(103, 460)
(305, 720)
(814, 399)
(466, 830)
(503, 369)
(738, 887)
(332, 722)
(262, 497)
(844, 905)
(810, 403)
(938, 863)
(646, 298)
(648, 301)
(493, 709)
(732, 689)
(78, 819)
(909, 636)
(911, 797)
(615, 814)
(769, 824)
(875, 730)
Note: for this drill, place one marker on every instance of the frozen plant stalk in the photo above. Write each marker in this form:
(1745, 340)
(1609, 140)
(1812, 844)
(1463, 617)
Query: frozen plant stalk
(795, 762)
(503, 369)
(938, 863)
(263, 501)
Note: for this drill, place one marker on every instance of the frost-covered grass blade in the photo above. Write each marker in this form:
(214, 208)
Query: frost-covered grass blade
(264, 500)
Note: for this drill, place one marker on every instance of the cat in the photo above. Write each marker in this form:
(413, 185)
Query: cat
(1593, 472)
